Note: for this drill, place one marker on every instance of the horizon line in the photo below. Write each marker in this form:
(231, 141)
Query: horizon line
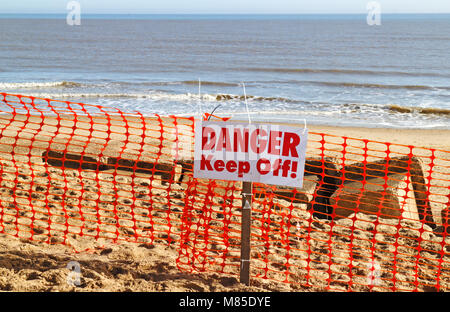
(304, 13)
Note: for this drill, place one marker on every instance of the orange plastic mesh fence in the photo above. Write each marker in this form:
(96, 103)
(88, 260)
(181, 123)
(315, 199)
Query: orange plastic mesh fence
(370, 216)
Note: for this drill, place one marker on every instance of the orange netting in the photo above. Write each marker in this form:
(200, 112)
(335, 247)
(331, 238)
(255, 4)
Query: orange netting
(370, 216)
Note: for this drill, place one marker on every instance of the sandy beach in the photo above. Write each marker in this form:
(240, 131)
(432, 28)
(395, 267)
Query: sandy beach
(65, 207)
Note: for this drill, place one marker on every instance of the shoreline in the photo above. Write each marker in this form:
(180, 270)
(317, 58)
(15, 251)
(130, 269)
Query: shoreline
(425, 138)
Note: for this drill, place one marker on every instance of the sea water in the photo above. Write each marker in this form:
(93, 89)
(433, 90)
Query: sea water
(325, 69)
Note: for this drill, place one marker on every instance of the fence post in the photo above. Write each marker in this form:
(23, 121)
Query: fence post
(245, 232)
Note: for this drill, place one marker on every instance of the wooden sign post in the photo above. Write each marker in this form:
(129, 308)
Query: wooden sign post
(245, 232)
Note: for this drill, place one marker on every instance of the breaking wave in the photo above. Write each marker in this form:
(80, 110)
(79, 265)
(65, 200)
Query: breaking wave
(211, 83)
(37, 85)
(419, 110)
(166, 96)
(376, 86)
(346, 71)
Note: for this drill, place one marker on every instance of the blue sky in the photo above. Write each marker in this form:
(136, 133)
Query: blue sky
(225, 6)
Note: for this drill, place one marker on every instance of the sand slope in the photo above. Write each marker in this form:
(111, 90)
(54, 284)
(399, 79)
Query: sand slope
(29, 266)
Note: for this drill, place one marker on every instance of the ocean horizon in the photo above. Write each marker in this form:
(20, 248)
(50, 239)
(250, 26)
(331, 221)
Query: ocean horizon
(63, 15)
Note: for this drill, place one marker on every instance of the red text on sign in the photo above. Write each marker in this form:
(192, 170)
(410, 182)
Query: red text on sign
(259, 140)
